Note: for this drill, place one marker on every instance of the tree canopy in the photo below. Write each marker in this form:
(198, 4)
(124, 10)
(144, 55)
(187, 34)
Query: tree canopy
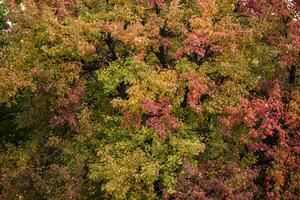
(150, 99)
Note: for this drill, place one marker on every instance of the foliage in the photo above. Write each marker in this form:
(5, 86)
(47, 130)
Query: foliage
(157, 99)
(3, 12)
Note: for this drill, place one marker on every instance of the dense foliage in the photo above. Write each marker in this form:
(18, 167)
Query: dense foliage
(149, 99)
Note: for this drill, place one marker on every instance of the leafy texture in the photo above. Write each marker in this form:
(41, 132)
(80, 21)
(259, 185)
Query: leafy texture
(156, 99)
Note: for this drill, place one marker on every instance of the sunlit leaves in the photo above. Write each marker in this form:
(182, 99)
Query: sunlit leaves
(133, 99)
